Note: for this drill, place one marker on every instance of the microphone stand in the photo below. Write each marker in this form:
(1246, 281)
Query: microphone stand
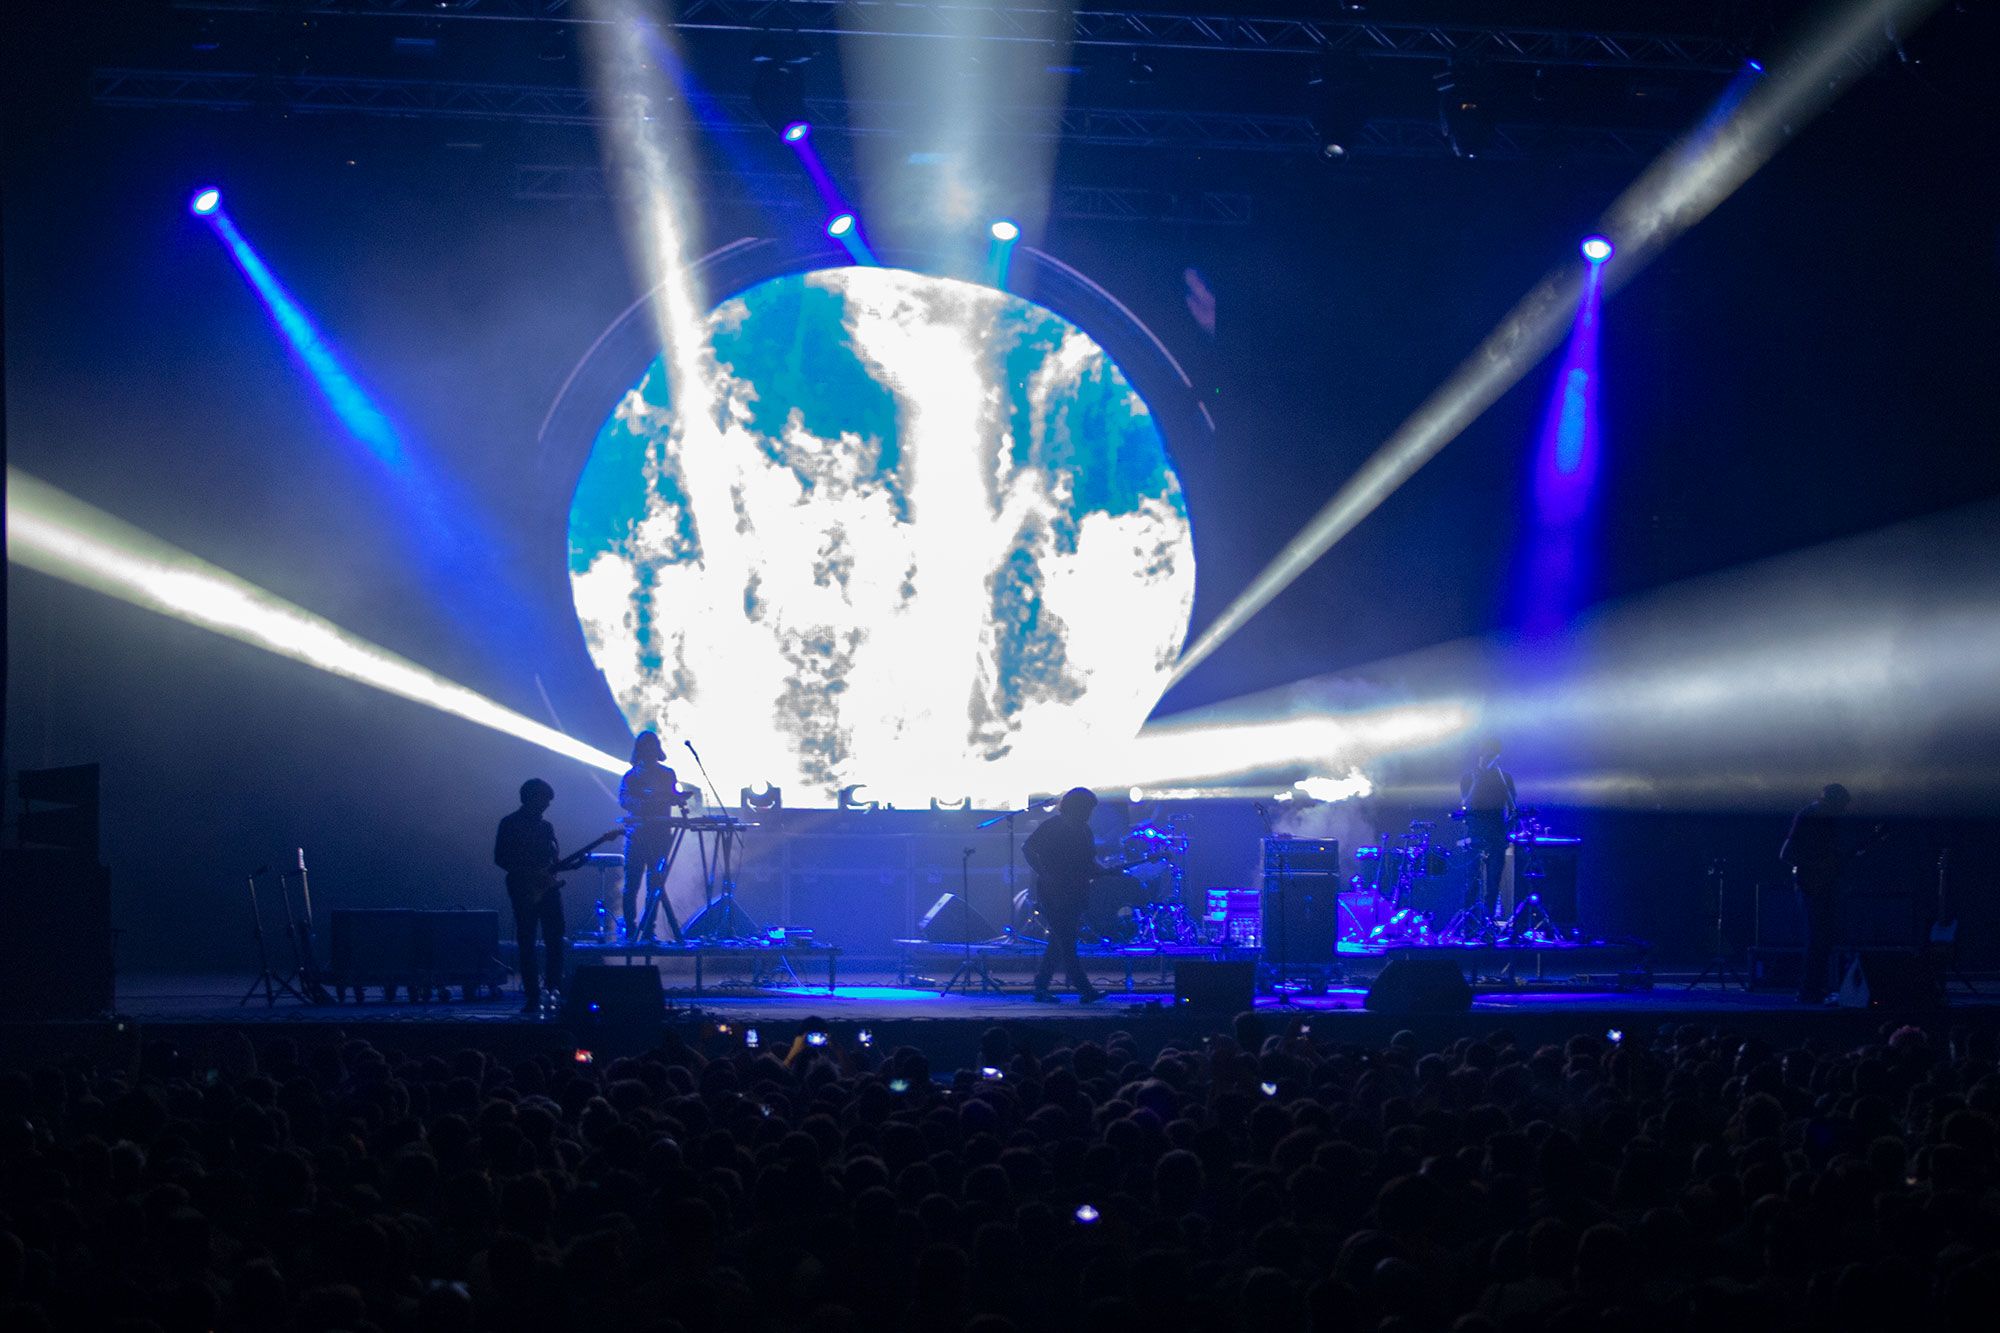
(1012, 892)
(270, 981)
(967, 968)
(730, 922)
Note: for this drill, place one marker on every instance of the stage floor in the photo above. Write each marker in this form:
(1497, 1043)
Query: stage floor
(878, 995)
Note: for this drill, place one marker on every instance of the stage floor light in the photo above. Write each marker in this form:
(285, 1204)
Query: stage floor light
(839, 225)
(1004, 229)
(205, 201)
(53, 532)
(1596, 249)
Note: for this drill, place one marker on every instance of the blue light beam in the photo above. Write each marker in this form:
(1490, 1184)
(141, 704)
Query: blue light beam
(1555, 572)
(337, 385)
(846, 229)
(1000, 254)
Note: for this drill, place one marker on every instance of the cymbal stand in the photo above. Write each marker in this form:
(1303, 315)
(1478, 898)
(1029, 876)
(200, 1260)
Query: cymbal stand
(269, 981)
(1719, 965)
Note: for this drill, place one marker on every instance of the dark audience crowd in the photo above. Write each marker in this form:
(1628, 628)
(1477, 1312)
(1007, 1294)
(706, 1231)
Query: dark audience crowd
(1259, 1180)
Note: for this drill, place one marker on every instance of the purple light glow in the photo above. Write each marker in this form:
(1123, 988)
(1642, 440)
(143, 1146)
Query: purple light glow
(1554, 577)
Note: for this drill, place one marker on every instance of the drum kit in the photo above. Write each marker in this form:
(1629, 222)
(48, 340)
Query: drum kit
(1412, 888)
(1416, 888)
(1138, 900)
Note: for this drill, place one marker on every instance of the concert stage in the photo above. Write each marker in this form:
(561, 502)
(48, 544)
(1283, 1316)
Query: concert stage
(185, 1008)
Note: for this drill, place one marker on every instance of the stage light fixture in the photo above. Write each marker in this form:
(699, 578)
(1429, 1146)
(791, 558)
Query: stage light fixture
(1005, 229)
(797, 130)
(1596, 249)
(205, 201)
(839, 225)
(1336, 108)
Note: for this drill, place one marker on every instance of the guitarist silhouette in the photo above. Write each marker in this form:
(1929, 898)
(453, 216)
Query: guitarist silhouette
(525, 847)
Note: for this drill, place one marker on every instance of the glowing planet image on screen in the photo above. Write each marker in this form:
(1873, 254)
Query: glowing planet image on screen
(900, 531)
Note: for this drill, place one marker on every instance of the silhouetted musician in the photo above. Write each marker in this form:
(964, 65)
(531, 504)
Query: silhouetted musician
(1063, 856)
(652, 798)
(1487, 793)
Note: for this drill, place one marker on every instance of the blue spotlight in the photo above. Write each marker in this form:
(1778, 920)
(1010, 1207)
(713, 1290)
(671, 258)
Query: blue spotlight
(205, 201)
(1756, 65)
(1555, 577)
(1000, 254)
(842, 227)
(796, 131)
(342, 392)
(1597, 249)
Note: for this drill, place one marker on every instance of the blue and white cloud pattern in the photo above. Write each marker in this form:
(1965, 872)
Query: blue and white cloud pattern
(902, 531)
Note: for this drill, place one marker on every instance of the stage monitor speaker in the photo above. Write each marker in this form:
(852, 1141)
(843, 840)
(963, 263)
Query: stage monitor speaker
(952, 920)
(1225, 989)
(1415, 984)
(601, 997)
(1900, 979)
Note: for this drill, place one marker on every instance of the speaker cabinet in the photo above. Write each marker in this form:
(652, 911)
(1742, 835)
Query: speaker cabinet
(55, 934)
(398, 948)
(1218, 989)
(1419, 984)
(1301, 917)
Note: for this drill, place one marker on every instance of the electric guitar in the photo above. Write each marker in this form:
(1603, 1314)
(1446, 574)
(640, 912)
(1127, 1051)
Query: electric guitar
(550, 880)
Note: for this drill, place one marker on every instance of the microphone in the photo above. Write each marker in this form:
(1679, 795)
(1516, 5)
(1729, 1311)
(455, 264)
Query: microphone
(968, 851)
(691, 750)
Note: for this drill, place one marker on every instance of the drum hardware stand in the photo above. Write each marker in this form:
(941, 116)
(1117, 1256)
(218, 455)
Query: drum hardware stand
(269, 981)
(730, 922)
(299, 929)
(1719, 965)
(974, 964)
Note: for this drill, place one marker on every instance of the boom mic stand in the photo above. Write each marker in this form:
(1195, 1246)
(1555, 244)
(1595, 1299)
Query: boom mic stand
(270, 981)
(721, 919)
(1719, 965)
(1012, 890)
